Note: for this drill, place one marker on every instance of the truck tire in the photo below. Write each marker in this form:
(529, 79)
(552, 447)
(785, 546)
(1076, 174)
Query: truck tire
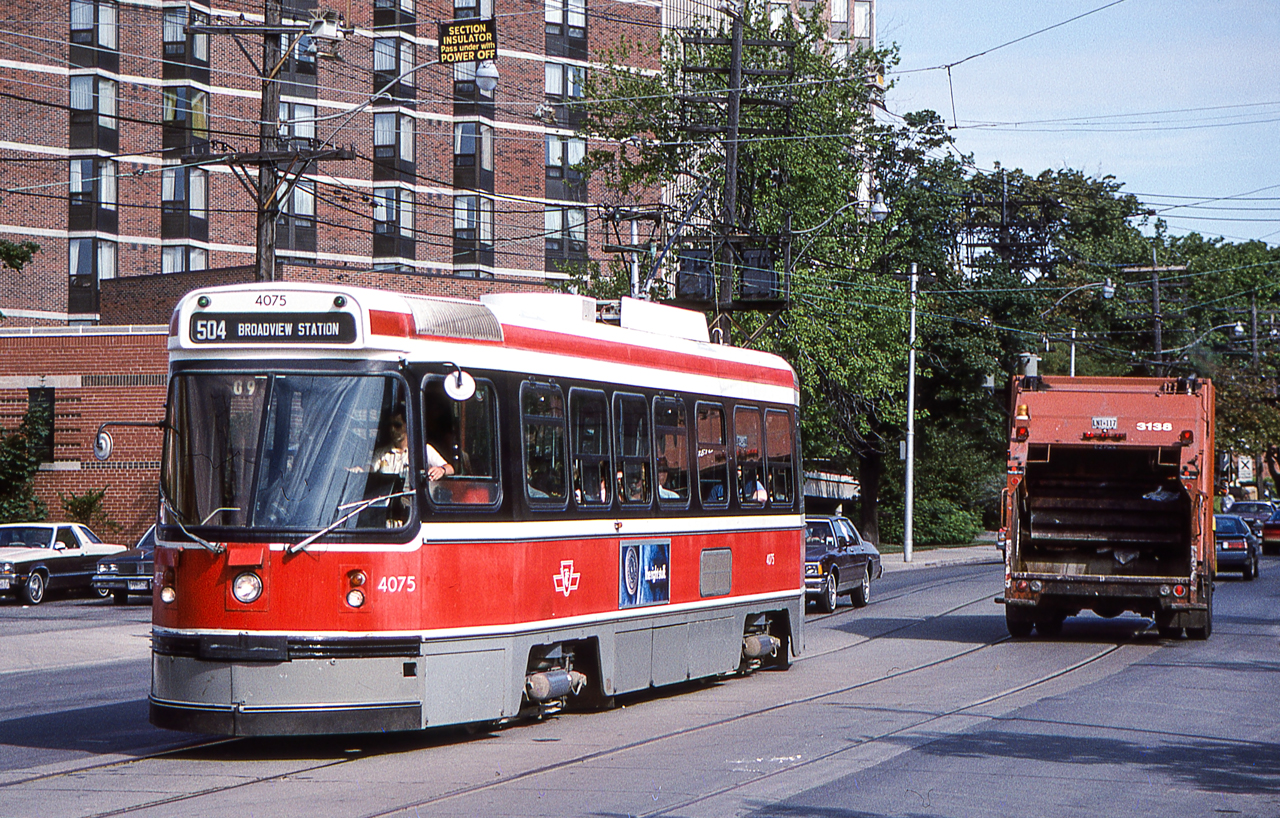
(1207, 630)
(1049, 623)
(1018, 622)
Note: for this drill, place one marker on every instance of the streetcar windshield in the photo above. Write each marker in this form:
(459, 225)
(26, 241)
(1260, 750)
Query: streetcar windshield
(286, 451)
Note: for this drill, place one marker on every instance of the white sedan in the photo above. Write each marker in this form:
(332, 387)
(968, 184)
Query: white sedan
(36, 557)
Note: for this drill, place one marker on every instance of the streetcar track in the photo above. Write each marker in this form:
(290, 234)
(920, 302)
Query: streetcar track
(892, 674)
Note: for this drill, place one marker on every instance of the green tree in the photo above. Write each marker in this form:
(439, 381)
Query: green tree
(87, 509)
(19, 462)
(845, 332)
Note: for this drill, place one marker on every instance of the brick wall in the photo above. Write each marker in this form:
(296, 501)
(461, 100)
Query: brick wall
(96, 376)
(35, 65)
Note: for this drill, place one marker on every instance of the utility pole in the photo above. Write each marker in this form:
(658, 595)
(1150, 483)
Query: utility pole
(268, 142)
(724, 293)
(270, 188)
(1157, 314)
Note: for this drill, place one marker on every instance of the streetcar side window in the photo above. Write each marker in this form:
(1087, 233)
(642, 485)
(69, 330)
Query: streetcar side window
(671, 447)
(713, 464)
(589, 440)
(781, 474)
(747, 451)
(461, 435)
(631, 419)
(543, 426)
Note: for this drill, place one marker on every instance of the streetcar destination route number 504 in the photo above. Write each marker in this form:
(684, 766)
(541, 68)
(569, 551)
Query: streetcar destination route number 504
(273, 328)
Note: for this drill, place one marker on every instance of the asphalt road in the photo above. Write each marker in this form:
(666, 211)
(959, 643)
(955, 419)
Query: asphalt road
(918, 705)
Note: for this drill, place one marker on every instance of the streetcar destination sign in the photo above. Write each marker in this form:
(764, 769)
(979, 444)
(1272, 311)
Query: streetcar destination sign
(274, 328)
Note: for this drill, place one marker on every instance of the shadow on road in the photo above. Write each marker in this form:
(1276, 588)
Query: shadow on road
(1208, 765)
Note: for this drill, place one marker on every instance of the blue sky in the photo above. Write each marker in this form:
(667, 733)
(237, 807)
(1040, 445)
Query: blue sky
(1178, 100)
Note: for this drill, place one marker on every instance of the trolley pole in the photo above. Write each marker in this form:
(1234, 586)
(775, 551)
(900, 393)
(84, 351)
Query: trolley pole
(908, 533)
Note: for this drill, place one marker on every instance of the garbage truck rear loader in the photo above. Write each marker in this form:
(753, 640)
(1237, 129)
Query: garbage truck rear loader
(1109, 502)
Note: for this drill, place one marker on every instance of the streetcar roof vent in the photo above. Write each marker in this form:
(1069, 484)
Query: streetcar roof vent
(454, 319)
(662, 319)
(557, 309)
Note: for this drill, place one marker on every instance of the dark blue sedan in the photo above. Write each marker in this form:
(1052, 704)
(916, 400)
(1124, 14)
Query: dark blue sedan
(1237, 545)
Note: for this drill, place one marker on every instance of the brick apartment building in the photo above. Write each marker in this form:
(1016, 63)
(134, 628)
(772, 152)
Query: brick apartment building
(117, 119)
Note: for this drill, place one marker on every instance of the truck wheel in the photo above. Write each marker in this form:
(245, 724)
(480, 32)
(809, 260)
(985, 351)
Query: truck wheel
(1207, 630)
(1018, 622)
(1049, 624)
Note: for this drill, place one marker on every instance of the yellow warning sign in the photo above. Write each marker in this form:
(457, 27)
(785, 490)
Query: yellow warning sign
(468, 40)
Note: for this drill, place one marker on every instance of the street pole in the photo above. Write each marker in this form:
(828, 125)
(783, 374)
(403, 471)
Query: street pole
(268, 141)
(908, 534)
(1073, 352)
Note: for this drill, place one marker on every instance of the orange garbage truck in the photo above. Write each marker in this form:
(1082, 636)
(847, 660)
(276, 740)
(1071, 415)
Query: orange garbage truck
(1109, 502)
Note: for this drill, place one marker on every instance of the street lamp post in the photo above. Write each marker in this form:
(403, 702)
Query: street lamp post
(1108, 291)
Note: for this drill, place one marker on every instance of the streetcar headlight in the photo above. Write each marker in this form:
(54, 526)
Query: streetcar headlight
(168, 594)
(247, 587)
(355, 597)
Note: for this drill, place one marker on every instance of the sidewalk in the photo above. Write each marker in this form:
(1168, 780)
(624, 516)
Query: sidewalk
(934, 557)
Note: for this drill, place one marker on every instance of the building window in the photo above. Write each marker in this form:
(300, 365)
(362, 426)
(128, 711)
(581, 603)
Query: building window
(93, 95)
(94, 23)
(862, 19)
(296, 227)
(89, 261)
(393, 211)
(180, 258)
(468, 9)
(302, 59)
(566, 17)
(839, 11)
(566, 231)
(93, 181)
(185, 112)
(179, 45)
(564, 82)
(298, 124)
(303, 203)
(403, 5)
(473, 145)
(563, 153)
(394, 59)
(184, 190)
(393, 137)
(473, 219)
(40, 406)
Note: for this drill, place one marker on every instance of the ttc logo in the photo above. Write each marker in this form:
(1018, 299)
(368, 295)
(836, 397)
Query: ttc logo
(567, 580)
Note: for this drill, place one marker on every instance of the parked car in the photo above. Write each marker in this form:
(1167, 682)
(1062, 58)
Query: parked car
(838, 561)
(38, 557)
(1271, 534)
(129, 572)
(1237, 545)
(1253, 512)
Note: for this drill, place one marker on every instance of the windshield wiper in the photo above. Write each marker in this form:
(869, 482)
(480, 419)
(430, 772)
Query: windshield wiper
(358, 507)
(175, 515)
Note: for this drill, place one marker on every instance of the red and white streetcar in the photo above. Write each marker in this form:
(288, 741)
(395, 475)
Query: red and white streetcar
(389, 512)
